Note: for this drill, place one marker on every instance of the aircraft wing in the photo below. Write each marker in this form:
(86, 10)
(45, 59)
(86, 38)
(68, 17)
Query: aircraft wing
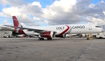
(6, 28)
(29, 29)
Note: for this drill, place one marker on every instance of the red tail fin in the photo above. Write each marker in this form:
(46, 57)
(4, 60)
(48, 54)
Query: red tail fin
(16, 22)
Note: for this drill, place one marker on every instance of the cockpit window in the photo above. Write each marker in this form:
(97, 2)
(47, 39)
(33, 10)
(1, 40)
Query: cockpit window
(97, 26)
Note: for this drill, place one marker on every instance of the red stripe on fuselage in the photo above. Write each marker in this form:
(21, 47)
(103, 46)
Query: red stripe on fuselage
(61, 34)
(21, 32)
(65, 30)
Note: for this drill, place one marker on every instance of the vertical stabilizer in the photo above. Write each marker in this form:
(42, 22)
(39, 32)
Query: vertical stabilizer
(16, 25)
(16, 22)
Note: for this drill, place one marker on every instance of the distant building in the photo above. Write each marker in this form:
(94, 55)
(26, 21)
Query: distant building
(6, 34)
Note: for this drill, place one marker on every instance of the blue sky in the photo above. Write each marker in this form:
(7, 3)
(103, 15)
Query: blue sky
(6, 16)
(0, 8)
(95, 1)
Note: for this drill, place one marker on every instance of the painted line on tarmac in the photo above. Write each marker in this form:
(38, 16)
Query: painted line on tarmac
(83, 50)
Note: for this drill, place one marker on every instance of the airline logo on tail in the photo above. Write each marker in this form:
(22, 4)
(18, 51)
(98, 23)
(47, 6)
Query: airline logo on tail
(17, 24)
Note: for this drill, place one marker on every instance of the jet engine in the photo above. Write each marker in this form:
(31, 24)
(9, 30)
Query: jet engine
(48, 34)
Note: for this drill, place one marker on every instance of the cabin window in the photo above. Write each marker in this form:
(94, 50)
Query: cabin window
(97, 26)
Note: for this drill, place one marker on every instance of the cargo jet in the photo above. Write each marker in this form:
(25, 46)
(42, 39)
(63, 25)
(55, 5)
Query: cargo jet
(50, 32)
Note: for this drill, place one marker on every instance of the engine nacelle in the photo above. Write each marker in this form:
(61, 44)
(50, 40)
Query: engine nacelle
(61, 36)
(48, 34)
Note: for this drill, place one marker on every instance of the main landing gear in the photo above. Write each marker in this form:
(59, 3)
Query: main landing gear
(49, 38)
(43, 38)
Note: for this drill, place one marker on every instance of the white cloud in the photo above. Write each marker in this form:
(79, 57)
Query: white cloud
(96, 20)
(3, 2)
(16, 11)
(1, 14)
(12, 2)
(102, 0)
(59, 12)
(91, 5)
(24, 13)
(46, 21)
(5, 22)
(104, 12)
(36, 4)
(64, 4)
(35, 18)
(12, 11)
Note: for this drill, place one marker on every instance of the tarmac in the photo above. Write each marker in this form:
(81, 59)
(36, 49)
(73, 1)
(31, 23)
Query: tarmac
(58, 49)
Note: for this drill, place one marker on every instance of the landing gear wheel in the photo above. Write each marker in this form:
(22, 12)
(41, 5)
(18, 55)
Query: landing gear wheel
(41, 38)
(49, 38)
(87, 38)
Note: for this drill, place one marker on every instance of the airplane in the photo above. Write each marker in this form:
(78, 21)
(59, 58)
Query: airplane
(50, 32)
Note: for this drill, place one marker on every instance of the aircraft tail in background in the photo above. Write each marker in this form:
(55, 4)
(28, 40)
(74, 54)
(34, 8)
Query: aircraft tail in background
(16, 25)
(16, 22)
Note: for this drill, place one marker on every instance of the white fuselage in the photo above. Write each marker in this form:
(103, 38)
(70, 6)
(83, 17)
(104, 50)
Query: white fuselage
(73, 29)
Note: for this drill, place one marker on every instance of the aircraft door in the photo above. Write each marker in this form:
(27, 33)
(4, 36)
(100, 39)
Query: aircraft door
(90, 27)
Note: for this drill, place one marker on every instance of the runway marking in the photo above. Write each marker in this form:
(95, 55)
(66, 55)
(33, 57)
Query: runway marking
(84, 49)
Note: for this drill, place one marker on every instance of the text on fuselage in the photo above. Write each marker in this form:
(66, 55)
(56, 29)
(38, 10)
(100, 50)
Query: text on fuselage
(59, 28)
(73, 27)
(78, 27)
